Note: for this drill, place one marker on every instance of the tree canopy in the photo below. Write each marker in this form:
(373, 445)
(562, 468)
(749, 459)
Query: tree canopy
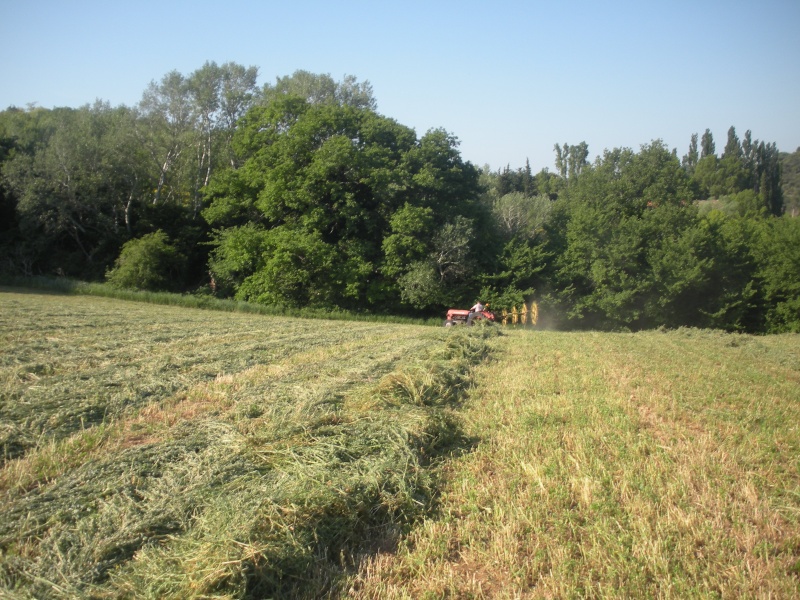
(324, 190)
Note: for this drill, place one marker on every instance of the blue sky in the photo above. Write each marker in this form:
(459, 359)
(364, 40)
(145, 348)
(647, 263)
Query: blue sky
(509, 79)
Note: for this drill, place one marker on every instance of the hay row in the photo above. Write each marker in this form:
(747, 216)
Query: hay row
(291, 474)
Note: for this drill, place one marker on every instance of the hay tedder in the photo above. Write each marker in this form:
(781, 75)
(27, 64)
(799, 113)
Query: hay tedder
(456, 316)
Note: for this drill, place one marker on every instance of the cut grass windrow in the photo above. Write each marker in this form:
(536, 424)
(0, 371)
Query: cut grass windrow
(69, 363)
(235, 456)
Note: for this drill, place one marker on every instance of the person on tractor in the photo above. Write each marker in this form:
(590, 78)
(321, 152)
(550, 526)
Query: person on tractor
(475, 310)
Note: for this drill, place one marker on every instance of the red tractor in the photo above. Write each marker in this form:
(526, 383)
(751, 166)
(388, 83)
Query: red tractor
(456, 316)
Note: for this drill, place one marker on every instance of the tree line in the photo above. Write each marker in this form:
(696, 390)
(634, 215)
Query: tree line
(300, 193)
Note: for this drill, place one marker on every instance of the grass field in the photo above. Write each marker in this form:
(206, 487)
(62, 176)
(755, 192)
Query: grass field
(154, 451)
(656, 465)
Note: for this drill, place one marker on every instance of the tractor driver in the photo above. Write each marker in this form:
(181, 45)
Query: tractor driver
(477, 309)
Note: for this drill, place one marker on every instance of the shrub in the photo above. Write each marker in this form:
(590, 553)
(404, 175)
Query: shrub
(150, 262)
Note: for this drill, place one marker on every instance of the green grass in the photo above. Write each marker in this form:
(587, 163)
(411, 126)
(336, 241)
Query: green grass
(659, 465)
(202, 300)
(158, 451)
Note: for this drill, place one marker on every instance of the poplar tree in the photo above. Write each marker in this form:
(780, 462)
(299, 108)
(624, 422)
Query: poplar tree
(707, 147)
(733, 147)
(689, 161)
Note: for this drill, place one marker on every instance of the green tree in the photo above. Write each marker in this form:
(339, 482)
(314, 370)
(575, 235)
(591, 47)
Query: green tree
(790, 182)
(706, 177)
(14, 250)
(707, 146)
(748, 151)
(690, 159)
(733, 148)
(71, 196)
(238, 93)
(350, 182)
(632, 253)
(410, 230)
(150, 262)
(571, 160)
(731, 298)
(166, 129)
(237, 254)
(548, 184)
(614, 225)
(748, 165)
(293, 268)
(219, 96)
(507, 181)
(528, 182)
(768, 177)
(322, 89)
(777, 250)
(451, 249)
(186, 125)
(521, 216)
(437, 279)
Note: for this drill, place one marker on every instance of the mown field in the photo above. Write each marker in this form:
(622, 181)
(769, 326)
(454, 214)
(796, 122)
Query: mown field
(153, 451)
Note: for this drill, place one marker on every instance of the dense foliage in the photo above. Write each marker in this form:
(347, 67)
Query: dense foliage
(336, 205)
(147, 263)
(302, 194)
